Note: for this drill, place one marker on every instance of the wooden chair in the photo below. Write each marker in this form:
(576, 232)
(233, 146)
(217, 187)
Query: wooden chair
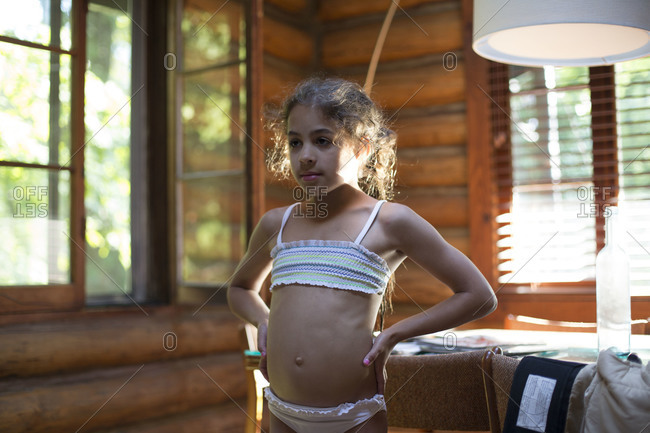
(513, 321)
(437, 392)
(255, 382)
(498, 373)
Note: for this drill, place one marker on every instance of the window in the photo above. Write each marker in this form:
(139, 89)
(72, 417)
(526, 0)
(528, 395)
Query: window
(40, 134)
(93, 176)
(568, 143)
(211, 142)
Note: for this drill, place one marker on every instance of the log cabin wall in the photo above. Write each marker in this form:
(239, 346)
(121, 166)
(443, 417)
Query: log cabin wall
(164, 369)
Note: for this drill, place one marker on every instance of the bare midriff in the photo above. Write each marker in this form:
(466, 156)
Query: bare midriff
(317, 339)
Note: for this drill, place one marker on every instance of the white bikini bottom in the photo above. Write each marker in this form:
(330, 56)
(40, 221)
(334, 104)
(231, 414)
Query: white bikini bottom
(338, 419)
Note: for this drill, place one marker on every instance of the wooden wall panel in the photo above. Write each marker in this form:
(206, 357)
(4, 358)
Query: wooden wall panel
(408, 37)
(440, 206)
(421, 86)
(287, 42)
(340, 9)
(430, 168)
(445, 129)
(280, 79)
(92, 342)
(135, 393)
(292, 6)
(227, 418)
(414, 285)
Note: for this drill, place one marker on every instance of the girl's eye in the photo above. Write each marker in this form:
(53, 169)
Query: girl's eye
(323, 141)
(294, 143)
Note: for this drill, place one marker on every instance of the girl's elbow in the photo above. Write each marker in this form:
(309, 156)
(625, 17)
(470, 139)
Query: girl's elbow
(487, 303)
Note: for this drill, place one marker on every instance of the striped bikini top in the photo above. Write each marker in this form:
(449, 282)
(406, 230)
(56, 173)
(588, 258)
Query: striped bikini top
(336, 264)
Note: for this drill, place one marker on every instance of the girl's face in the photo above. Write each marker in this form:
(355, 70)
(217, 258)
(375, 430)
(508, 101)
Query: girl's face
(316, 161)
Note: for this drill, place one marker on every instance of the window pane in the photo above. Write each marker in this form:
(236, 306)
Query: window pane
(34, 226)
(41, 21)
(35, 101)
(213, 33)
(212, 145)
(549, 233)
(214, 121)
(213, 228)
(108, 151)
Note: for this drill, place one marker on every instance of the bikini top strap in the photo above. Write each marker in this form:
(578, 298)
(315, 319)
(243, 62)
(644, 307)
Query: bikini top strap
(371, 219)
(285, 217)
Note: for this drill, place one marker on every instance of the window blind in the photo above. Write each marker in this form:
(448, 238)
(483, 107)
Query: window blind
(568, 142)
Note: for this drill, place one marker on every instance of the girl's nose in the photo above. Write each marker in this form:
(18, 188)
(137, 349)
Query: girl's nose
(307, 154)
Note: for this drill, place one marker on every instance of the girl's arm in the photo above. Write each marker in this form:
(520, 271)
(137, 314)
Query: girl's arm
(244, 290)
(473, 297)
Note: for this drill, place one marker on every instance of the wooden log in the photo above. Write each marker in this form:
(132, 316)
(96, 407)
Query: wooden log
(432, 167)
(293, 6)
(402, 311)
(288, 43)
(224, 418)
(341, 9)
(279, 79)
(421, 86)
(440, 206)
(97, 342)
(39, 299)
(121, 396)
(415, 285)
(431, 130)
(408, 37)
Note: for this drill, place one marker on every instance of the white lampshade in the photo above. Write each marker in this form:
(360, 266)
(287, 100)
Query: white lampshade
(561, 32)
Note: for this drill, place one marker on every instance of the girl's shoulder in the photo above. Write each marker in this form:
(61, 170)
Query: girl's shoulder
(400, 222)
(396, 214)
(272, 219)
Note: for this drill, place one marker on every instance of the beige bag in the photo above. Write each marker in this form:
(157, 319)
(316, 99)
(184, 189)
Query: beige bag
(610, 396)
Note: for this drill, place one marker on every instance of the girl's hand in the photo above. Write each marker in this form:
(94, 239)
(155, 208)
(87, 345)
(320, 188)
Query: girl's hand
(261, 346)
(379, 353)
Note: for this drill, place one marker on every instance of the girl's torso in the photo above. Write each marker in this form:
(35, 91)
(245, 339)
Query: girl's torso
(318, 336)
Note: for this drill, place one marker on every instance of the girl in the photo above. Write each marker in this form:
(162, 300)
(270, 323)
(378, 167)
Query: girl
(331, 258)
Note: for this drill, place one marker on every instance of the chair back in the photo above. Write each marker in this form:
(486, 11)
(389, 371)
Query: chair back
(453, 398)
(498, 374)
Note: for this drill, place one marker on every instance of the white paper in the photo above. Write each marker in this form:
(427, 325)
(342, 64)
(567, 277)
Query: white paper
(535, 402)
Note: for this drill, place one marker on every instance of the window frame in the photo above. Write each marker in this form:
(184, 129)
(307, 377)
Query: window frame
(153, 221)
(61, 297)
(189, 293)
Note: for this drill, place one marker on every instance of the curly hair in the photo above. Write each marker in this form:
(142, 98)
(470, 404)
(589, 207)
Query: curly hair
(356, 116)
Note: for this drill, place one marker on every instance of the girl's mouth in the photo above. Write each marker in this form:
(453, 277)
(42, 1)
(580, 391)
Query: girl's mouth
(307, 177)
